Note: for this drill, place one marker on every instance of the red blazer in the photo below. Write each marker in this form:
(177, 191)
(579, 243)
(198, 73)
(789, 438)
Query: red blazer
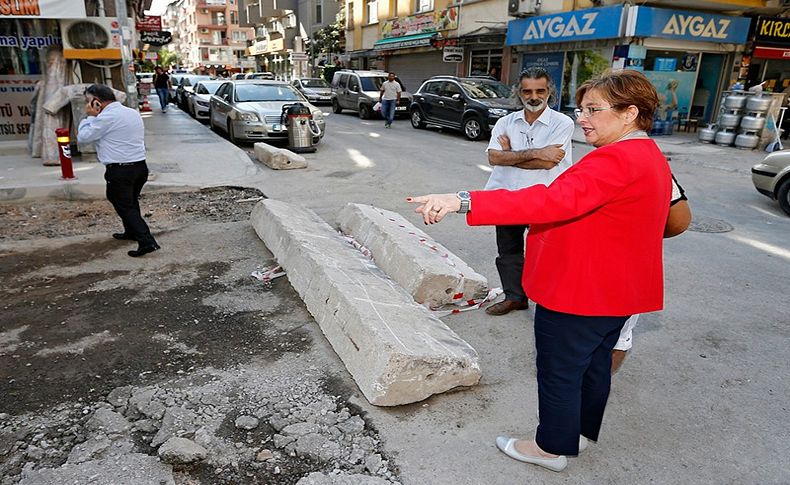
(595, 243)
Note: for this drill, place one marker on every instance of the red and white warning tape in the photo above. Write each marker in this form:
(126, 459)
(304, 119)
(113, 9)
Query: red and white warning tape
(465, 305)
(268, 274)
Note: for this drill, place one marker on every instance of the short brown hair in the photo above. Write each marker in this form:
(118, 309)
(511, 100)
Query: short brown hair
(623, 89)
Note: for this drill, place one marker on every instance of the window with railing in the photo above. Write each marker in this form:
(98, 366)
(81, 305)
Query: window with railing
(239, 36)
(373, 11)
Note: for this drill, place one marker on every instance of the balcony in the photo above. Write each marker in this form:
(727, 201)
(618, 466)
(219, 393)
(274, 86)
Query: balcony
(214, 25)
(212, 4)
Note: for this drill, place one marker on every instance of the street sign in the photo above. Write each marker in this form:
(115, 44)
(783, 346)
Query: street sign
(149, 23)
(158, 38)
(453, 54)
(298, 56)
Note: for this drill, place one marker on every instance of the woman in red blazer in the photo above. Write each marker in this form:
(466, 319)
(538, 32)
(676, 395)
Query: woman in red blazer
(594, 257)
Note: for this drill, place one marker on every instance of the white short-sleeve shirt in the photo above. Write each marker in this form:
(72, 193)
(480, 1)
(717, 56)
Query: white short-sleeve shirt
(391, 90)
(551, 128)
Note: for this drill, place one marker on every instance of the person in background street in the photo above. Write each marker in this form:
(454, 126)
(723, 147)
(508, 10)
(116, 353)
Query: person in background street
(162, 84)
(493, 73)
(594, 257)
(528, 147)
(389, 97)
(118, 133)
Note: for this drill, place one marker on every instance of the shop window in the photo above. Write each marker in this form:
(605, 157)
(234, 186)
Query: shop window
(423, 6)
(17, 59)
(579, 67)
(481, 63)
(373, 11)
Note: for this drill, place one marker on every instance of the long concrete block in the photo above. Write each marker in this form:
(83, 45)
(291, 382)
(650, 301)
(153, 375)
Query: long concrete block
(396, 351)
(427, 270)
(278, 158)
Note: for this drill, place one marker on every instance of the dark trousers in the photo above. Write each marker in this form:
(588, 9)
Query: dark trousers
(124, 183)
(510, 245)
(574, 371)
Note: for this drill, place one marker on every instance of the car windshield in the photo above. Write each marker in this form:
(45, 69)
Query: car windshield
(262, 75)
(486, 89)
(314, 83)
(266, 92)
(374, 83)
(192, 80)
(208, 87)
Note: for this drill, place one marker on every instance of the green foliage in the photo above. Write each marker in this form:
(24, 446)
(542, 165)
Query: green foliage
(167, 58)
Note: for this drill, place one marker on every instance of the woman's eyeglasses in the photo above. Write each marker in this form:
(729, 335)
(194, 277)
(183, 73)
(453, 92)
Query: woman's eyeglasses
(588, 111)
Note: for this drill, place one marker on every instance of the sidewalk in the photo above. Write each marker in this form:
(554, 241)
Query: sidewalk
(686, 147)
(181, 152)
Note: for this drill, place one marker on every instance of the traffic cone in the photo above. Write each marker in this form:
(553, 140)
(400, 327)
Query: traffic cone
(146, 108)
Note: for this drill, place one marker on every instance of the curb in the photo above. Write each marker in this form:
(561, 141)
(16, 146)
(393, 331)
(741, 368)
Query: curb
(78, 191)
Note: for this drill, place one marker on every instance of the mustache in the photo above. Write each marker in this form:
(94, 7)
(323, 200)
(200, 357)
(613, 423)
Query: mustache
(536, 102)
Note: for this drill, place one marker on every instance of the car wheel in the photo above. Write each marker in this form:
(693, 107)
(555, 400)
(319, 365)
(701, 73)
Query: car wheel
(364, 111)
(473, 128)
(192, 111)
(416, 119)
(336, 107)
(783, 196)
(231, 135)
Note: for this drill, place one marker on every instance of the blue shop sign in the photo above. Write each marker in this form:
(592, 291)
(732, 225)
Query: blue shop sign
(686, 25)
(593, 23)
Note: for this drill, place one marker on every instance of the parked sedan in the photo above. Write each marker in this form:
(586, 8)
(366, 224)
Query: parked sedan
(186, 86)
(315, 89)
(175, 80)
(199, 102)
(472, 105)
(771, 178)
(251, 110)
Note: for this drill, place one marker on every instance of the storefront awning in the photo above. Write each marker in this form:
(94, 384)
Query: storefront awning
(404, 42)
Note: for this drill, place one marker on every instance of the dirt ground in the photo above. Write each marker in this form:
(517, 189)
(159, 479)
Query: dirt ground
(187, 325)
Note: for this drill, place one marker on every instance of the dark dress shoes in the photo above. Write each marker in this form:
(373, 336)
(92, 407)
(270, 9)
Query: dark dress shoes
(507, 306)
(143, 250)
(122, 236)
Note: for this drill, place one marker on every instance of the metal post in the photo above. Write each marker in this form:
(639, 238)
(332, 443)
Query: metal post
(130, 81)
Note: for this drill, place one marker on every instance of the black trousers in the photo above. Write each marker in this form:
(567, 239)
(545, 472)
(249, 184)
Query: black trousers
(510, 245)
(124, 183)
(574, 359)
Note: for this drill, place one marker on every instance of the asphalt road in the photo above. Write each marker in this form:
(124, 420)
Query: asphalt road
(703, 397)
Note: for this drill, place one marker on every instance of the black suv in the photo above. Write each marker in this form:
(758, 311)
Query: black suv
(470, 104)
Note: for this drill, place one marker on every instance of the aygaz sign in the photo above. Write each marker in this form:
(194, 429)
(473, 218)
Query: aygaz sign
(593, 23)
(687, 25)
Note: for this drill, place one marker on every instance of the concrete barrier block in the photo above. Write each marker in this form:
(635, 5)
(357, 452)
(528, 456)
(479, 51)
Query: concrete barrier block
(396, 351)
(427, 270)
(278, 158)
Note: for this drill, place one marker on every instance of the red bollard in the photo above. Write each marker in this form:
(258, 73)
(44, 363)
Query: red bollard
(64, 143)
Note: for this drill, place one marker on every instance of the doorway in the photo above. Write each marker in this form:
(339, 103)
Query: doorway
(705, 99)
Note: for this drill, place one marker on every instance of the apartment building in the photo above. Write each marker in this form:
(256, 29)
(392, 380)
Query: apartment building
(281, 29)
(208, 37)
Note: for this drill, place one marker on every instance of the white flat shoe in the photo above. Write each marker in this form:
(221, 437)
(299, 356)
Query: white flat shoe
(507, 446)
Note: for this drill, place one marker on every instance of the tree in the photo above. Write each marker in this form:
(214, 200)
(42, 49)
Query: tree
(328, 41)
(168, 58)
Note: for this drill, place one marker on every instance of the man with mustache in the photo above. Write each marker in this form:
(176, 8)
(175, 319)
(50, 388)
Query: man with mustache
(527, 147)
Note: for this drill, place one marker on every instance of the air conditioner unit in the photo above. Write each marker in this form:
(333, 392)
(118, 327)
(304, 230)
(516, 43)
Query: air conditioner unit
(523, 8)
(289, 22)
(92, 38)
(204, 31)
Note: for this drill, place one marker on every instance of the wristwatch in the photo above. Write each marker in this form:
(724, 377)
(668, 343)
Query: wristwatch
(466, 201)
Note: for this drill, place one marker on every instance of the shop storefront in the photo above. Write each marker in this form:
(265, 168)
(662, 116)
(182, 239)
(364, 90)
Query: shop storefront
(572, 46)
(770, 59)
(411, 46)
(687, 55)
(272, 56)
(27, 31)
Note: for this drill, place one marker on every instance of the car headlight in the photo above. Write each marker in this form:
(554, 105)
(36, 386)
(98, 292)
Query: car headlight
(497, 112)
(318, 116)
(248, 116)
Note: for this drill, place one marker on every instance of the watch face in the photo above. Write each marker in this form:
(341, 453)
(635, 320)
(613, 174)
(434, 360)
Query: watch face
(464, 195)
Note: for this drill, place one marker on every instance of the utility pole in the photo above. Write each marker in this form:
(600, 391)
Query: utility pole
(127, 69)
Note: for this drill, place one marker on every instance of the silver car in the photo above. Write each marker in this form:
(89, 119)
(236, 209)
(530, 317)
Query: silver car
(315, 89)
(198, 102)
(771, 178)
(250, 110)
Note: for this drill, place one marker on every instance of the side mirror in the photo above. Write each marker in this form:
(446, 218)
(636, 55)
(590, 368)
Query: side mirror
(456, 97)
(354, 88)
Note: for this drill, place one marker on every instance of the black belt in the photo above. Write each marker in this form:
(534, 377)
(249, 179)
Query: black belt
(123, 164)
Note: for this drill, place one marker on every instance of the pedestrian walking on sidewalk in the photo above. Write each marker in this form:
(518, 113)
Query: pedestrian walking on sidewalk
(389, 97)
(162, 84)
(594, 257)
(118, 133)
(528, 147)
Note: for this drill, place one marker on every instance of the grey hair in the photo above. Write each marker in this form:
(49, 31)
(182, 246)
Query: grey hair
(537, 72)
